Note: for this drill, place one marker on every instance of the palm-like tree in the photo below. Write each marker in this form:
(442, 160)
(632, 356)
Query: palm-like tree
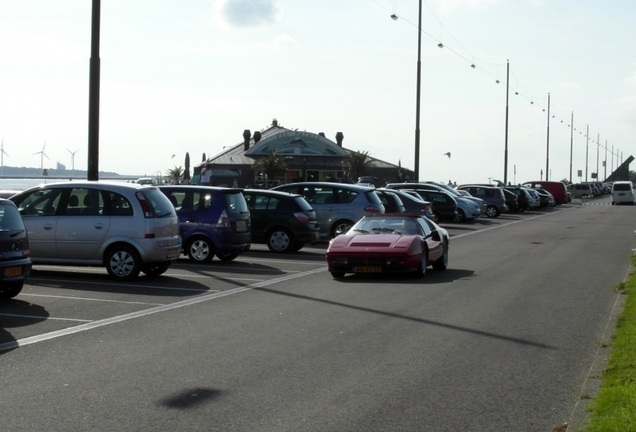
(175, 174)
(358, 164)
(271, 165)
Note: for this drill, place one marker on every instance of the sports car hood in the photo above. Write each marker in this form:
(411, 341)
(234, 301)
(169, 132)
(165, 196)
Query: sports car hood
(371, 241)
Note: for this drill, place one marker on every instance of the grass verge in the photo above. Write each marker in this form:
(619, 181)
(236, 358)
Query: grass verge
(614, 408)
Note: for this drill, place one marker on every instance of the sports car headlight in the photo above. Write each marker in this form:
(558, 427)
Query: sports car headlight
(394, 261)
(339, 261)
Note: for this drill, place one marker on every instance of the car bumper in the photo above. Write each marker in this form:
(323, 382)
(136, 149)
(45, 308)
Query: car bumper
(15, 270)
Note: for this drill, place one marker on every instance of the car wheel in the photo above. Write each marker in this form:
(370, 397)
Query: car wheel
(341, 227)
(492, 212)
(280, 240)
(200, 250)
(461, 216)
(123, 263)
(337, 274)
(155, 269)
(421, 270)
(8, 290)
(438, 219)
(442, 262)
(227, 256)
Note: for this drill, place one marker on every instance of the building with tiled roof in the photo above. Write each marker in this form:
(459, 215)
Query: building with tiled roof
(309, 156)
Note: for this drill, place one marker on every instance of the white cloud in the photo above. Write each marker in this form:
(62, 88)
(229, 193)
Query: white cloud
(246, 13)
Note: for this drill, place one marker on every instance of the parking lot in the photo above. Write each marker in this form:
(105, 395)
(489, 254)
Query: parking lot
(67, 299)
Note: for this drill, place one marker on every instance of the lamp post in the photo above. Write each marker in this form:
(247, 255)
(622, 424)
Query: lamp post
(547, 153)
(93, 97)
(571, 143)
(416, 171)
(587, 143)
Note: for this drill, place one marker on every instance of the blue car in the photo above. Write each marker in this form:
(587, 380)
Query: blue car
(212, 221)
(15, 264)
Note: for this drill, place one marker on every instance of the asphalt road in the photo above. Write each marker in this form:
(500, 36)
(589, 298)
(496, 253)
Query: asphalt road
(501, 341)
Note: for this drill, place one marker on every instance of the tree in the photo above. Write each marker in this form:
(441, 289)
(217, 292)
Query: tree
(357, 164)
(271, 166)
(175, 174)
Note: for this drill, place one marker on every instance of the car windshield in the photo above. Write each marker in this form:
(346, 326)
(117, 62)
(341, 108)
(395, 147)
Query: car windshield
(380, 225)
(236, 203)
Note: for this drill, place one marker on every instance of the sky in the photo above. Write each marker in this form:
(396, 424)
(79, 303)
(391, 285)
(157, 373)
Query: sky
(191, 76)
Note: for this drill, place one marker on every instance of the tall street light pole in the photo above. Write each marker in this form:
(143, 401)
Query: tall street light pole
(506, 132)
(417, 98)
(598, 143)
(571, 143)
(587, 144)
(547, 155)
(93, 98)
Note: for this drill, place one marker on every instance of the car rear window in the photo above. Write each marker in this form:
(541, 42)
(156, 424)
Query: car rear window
(236, 203)
(159, 203)
(10, 219)
(302, 204)
(372, 197)
(622, 186)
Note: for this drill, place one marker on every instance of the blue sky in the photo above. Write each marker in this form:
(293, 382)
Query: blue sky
(191, 76)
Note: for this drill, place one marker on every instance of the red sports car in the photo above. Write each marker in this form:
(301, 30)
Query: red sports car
(389, 243)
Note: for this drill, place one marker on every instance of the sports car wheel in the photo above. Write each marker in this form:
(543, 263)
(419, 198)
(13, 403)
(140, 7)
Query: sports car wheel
(123, 263)
(337, 274)
(155, 269)
(492, 212)
(227, 256)
(200, 250)
(280, 241)
(461, 216)
(442, 262)
(421, 270)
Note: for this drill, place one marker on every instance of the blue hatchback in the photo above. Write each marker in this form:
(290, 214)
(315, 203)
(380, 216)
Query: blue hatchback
(212, 221)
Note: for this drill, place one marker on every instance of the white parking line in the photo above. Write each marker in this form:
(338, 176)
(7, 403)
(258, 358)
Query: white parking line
(44, 318)
(163, 308)
(91, 299)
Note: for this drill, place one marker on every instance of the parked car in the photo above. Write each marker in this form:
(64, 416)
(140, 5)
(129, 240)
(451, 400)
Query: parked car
(212, 221)
(512, 201)
(389, 243)
(444, 205)
(337, 205)
(580, 190)
(557, 189)
(391, 202)
(126, 227)
(535, 202)
(284, 222)
(412, 203)
(523, 197)
(546, 198)
(468, 208)
(455, 193)
(493, 197)
(15, 264)
(623, 193)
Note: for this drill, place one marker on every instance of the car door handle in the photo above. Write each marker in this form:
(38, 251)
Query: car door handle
(99, 226)
(48, 227)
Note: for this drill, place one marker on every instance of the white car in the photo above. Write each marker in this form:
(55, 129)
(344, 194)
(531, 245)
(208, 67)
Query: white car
(623, 193)
(126, 227)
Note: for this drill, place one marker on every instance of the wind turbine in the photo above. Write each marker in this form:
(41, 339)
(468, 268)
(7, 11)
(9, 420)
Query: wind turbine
(2, 153)
(42, 154)
(72, 161)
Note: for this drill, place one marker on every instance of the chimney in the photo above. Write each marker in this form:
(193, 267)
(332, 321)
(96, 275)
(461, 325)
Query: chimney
(339, 138)
(257, 136)
(274, 122)
(322, 134)
(246, 139)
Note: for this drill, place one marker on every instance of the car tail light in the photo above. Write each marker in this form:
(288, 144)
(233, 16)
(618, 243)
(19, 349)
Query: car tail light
(302, 217)
(145, 205)
(223, 221)
(372, 209)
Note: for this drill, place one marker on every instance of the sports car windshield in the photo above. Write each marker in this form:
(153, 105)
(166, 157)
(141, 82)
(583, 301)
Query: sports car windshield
(383, 225)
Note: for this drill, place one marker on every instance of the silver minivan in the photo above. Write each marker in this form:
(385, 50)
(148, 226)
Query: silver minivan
(337, 205)
(126, 227)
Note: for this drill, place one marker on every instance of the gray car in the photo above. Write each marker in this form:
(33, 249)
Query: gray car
(127, 228)
(337, 205)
